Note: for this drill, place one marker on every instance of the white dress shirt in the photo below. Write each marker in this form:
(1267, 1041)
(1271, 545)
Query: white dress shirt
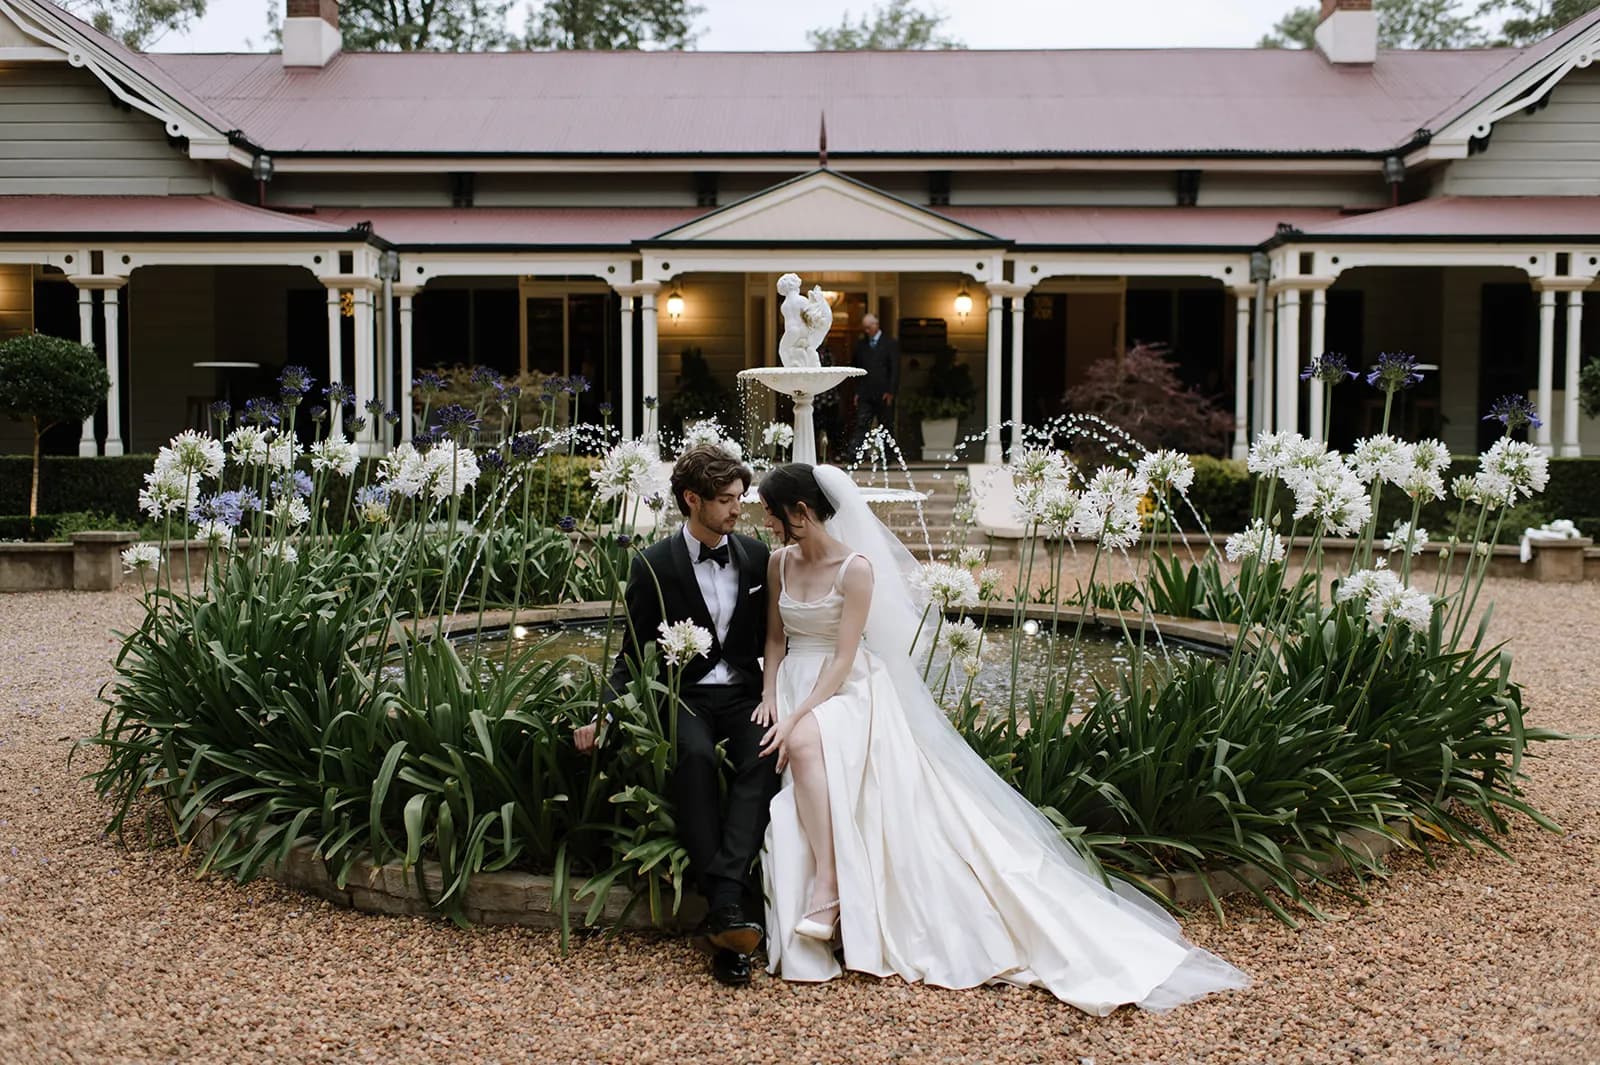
(719, 587)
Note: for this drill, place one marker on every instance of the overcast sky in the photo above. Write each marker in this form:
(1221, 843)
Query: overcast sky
(734, 25)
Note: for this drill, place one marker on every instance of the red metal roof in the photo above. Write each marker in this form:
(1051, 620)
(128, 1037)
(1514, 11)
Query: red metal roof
(940, 102)
(514, 226)
(1467, 217)
(1121, 227)
(153, 216)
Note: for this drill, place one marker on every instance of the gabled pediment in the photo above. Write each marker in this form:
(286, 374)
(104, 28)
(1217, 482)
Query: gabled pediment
(823, 207)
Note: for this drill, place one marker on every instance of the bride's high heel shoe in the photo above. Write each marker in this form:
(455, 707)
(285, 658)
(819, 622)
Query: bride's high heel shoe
(816, 929)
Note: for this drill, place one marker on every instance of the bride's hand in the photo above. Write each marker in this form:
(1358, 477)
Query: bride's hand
(777, 739)
(766, 713)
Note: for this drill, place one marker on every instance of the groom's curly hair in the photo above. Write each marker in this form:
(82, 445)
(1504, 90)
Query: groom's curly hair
(705, 470)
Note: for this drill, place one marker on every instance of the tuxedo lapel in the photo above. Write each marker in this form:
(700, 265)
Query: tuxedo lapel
(688, 587)
(747, 578)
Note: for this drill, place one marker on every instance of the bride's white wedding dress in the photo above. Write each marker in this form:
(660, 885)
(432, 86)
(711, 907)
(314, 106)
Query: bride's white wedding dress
(943, 878)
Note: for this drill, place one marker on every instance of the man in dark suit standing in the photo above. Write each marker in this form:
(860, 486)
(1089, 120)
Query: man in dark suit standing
(709, 574)
(878, 353)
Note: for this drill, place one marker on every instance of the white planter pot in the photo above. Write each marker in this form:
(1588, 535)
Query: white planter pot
(939, 439)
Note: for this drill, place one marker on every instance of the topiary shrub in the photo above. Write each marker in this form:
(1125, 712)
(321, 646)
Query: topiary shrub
(49, 380)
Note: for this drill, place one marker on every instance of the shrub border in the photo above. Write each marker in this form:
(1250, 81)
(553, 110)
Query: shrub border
(528, 899)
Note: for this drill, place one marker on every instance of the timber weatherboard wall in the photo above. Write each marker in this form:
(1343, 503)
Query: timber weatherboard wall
(60, 132)
(1555, 151)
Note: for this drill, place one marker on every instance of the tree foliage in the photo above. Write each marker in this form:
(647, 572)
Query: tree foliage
(1142, 393)
(897, 24)
(137, 23)
(424, 25)
(1441, 23)
(613, 25)
(48, 380)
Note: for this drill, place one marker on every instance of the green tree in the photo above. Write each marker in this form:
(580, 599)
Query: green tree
(1526, 21)
(898, 24)
(1401, 24)
(424, 25)
(137, 23)
(49, 380)
(613, 25)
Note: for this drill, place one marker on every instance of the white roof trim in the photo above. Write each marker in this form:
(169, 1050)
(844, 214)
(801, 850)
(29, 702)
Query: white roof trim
(819, 208)
(39, 21)
(1527, 88)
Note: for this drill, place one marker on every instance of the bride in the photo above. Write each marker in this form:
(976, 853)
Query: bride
(891, 836)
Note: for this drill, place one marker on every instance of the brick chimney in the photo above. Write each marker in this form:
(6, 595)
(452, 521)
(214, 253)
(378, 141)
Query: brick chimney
(310, 32)
(1348, 32)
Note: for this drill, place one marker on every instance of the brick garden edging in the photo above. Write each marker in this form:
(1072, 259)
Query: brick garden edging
(528, 899)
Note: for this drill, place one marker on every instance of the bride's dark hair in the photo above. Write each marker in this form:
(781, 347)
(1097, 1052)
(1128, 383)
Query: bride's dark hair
(786, 487)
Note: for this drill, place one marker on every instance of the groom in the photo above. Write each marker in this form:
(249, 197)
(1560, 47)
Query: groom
(709, 574)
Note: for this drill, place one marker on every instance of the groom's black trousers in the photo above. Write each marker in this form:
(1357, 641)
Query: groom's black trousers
(722, 842)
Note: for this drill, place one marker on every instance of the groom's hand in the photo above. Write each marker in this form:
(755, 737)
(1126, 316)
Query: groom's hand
(583, 737)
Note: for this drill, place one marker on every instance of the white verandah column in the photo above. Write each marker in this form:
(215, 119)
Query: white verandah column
(109, 308)
(1019, 305)
(1287, 377)
(1241, 371)
(629, 385)
(86, 443)
(404, 406)
(1547, 365)
(996, 323)
(651, 354)
(335, 357)
(1319, 322)
(366, 355)
(1570, 445)
(1266, 360)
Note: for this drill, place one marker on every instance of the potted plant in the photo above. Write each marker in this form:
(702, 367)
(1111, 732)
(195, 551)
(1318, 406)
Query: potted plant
(947, 396)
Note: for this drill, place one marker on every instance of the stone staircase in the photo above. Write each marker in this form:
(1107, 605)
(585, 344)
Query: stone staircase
(939, 481)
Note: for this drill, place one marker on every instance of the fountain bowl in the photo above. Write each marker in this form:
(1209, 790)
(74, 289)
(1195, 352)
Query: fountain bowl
(798, 381)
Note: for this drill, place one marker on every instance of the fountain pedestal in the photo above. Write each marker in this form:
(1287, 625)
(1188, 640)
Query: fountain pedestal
(803, 384)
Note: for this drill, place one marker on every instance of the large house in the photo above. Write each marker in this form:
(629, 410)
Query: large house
(204, 219)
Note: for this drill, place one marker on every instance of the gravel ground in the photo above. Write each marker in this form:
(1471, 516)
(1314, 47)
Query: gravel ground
(110, 954)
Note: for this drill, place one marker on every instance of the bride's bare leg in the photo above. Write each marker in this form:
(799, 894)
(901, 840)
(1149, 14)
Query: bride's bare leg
(816, 817)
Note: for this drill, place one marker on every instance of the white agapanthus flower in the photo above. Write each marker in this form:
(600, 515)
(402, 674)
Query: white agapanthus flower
(1493, 489)
(247, 445)
(404, 471)
(336, 454)
(1337, 499)
(949, 586)
(1405, 538)
(683, 641)
(1387, 599)
(627, 469)
(1382, 456)
(778, 434)
(191, 454)
(1520, 463)
(1311, 461)
(1256, 541)
(961, 638)
(970, 557)
(971, 666)
(1422, 482)
(964, 512)
(167, 494)
(291, 511)
(449, 469)
(281, 550)
(988, 580)
(1167, 469)
(1060, 509)
(215, 533)
(710, 432)
(1109, 507)
(141, 557)
(1431, 454)
(1272, 452)
(1033, 465)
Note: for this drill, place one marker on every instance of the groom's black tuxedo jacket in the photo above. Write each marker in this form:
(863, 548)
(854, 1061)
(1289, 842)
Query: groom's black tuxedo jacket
(662, 586)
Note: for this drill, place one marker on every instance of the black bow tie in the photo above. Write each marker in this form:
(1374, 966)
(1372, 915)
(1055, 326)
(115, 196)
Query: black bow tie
(719, 555)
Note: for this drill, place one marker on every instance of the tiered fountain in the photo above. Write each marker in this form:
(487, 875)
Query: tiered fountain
(802, 377)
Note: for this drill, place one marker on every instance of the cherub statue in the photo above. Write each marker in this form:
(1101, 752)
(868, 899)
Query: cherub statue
(806, 321)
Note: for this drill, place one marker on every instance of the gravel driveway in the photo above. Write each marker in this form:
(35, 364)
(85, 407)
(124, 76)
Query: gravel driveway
(111, 955)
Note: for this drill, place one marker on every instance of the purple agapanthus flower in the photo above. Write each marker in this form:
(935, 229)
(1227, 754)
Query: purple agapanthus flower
(428, 382)
(650, 403)
(228, 507)
(525, 446)
(484, 375)
(1393, 371)
(261, 411)
(455, 420)
(492, 461)
(567, 523)
(392, 417)
(298, 482)
(1514, 411)
(319, 413)
(357, 423)
(338, 393)
(577, 383)
(374, 408)
(1331, 368)
(372, 493)
(294, 382)
(424, 440)
(606, 409)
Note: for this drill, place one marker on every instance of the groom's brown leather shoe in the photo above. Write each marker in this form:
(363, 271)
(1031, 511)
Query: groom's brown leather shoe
(731, 968)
